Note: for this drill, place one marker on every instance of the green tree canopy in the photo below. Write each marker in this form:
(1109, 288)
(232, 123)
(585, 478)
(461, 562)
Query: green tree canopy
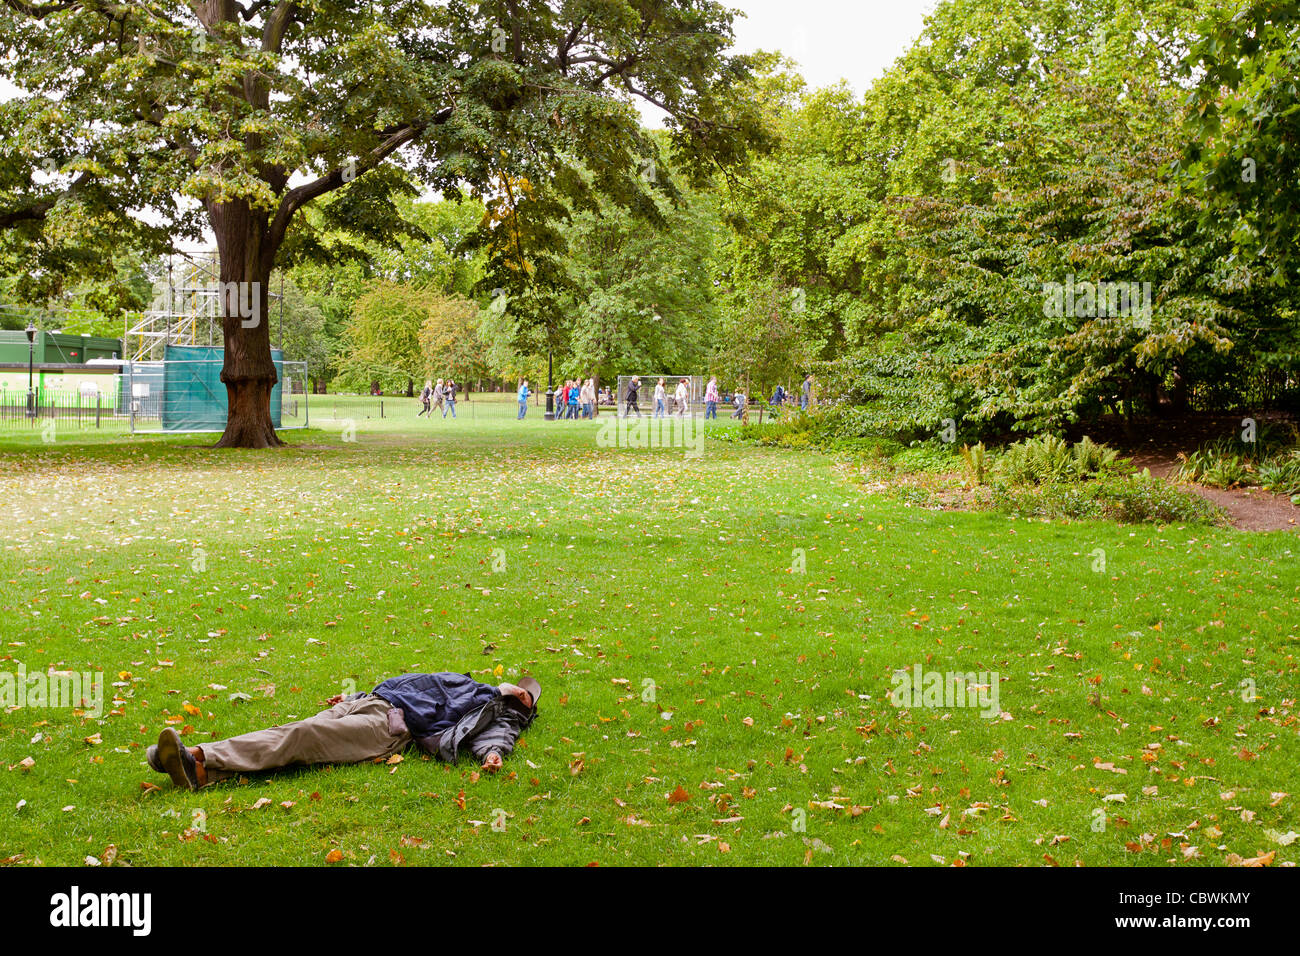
(236, 115)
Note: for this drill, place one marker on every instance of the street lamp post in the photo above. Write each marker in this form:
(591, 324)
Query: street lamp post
(31, 355)
(550, 387)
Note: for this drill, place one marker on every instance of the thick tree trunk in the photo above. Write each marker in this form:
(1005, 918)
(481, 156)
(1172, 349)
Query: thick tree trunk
(243, 241)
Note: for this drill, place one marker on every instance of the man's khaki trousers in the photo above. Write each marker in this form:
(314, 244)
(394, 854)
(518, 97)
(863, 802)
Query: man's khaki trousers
(353, 731)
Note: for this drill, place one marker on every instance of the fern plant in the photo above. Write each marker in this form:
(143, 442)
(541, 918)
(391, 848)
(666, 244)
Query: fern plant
(976, 460)
(1092, 459)
(1037, 461)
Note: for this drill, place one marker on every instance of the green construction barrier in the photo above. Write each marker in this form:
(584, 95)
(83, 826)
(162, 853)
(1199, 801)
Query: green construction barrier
(194, 397)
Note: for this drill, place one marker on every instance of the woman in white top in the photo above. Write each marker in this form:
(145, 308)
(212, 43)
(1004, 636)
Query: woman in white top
(682, 397)
(659, 399)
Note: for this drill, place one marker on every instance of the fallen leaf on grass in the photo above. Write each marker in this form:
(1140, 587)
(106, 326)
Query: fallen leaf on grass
(1266, 859)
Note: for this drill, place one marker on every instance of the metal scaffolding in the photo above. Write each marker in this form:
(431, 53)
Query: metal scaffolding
(185, 308)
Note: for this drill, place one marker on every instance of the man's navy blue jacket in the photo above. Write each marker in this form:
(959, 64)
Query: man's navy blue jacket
(433, 702)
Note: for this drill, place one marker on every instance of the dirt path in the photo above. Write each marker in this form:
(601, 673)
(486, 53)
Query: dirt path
(1251, 509)
(1156, 444)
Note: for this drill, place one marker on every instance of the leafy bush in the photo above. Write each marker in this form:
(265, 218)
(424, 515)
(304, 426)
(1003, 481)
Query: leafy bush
(1230, 471)
(837, 429)
(1281, 473)
(1272, 460)
(892, 389)
(924, 457)
(1128, 498)
(1219, 464)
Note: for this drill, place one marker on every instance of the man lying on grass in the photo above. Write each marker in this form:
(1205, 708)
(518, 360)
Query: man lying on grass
(443, 714)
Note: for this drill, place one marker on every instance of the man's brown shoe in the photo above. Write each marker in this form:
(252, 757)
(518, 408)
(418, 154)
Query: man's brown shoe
(177, 761)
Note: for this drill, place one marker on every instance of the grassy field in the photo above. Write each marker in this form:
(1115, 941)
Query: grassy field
(716, 637)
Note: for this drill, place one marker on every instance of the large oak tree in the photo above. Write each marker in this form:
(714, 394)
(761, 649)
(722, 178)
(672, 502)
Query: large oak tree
(234, 115)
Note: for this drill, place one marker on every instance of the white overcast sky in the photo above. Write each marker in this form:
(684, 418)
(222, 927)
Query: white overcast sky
(832, 40)
(854, 40)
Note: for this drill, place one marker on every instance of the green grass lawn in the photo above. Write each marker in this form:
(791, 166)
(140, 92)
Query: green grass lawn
(721, 628)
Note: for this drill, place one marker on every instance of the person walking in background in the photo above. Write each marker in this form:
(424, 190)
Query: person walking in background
(631, 406)
(740, 399)
(523, 399)
(439, 394)
(449, 396)
(660, 398)
(682, 398)
(573, 400)
(711, 398)
(588, 398)
(426, 395)
(806, 398)
(778, 398)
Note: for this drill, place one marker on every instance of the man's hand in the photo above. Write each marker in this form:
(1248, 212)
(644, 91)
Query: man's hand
(493, 762)
(336, 699)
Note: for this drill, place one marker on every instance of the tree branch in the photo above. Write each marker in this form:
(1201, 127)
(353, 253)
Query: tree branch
(37, 210)
(298, 197)
(40, 11)
(562, 54)
(276, 25)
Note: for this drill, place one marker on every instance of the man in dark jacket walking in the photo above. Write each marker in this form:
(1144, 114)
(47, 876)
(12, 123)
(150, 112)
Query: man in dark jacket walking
(633, 387)
(444, 714)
